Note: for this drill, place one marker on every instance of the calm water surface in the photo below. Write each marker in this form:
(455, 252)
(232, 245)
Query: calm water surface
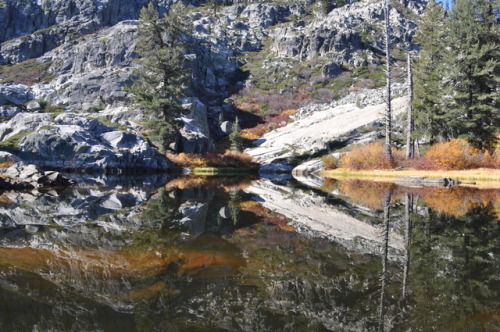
(197, 254)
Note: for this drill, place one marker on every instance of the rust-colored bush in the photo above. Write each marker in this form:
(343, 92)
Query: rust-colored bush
(227, 159)
(456, 154)
(330, 162)
(274, 122)
(370, 156)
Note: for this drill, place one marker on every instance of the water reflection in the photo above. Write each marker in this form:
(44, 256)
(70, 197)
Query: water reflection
(224, 254)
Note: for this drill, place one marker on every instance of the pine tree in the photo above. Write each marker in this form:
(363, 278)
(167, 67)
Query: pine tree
(163, 76)
(474, 74)
(429, 73)
(235, 136)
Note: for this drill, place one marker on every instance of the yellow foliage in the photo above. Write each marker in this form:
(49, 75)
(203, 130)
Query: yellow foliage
(366, 193)
(455, 154)
(290, 112)
(201, 160)
(370, 156)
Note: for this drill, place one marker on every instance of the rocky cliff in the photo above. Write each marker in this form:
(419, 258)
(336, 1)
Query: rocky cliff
(80, 54)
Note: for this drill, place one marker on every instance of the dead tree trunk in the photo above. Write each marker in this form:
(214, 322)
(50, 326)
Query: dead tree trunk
(388, 115)
(410, 142)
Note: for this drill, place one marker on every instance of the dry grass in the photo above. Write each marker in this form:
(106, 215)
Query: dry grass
(484, 177)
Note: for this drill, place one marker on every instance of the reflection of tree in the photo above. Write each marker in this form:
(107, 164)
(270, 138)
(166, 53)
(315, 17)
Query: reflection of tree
(162, 209)
(408, 225)
(385, 251)
(235, 198)
(455, 270)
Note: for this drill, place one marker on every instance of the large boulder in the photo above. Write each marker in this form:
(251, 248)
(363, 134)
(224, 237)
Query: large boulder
(34, 106)
(226, 127)
(21, 176)
(14, 94)
(7, 158)
(195, 134)
(331, 70)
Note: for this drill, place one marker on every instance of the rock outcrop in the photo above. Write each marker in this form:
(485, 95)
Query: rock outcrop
(20, 176)
(85, 51)
(74, 142)
(313, 131)
(349, 35)
(195, 134)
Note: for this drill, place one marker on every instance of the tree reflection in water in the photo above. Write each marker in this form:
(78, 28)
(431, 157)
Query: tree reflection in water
(202, 255)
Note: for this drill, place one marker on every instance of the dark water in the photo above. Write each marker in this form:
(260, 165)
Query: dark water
(196, 254)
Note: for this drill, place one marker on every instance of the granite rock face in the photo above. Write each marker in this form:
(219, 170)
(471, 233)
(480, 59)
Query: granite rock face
(36, 27)
(348, 35)
(317, 126)
(86, 50)
(77, 143)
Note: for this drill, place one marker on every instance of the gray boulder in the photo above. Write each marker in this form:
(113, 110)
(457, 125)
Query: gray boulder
(14, 94)
(20, 176)
(226, 127)
(311, 166)
(331, 70)
(195, 135)
(8, 158)
(34, 106)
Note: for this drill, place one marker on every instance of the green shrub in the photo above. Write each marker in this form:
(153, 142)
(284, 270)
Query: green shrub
(12, 143)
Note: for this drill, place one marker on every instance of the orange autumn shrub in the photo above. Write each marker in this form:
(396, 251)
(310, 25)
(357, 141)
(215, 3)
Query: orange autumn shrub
(370, 156)
(330, 162)
(271, 123)
(455, 154)
(210, 159)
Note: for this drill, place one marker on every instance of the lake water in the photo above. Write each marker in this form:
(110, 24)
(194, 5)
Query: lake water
(226, 254)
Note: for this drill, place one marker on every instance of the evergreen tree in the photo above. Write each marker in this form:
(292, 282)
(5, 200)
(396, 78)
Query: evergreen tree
(474, 72)
(429, 72)
(163, 76)
(235, 136)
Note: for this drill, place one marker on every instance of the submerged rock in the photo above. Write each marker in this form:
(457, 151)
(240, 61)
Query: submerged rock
(420, 181)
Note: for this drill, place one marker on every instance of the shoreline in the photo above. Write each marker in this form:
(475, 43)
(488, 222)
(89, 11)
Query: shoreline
(484, 178)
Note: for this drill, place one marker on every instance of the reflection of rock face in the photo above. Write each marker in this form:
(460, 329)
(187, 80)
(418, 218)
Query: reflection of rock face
(194, 216)
(69, 206)
(313, 212)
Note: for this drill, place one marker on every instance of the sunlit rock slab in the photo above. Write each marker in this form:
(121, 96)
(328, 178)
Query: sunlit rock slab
(314, 132)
